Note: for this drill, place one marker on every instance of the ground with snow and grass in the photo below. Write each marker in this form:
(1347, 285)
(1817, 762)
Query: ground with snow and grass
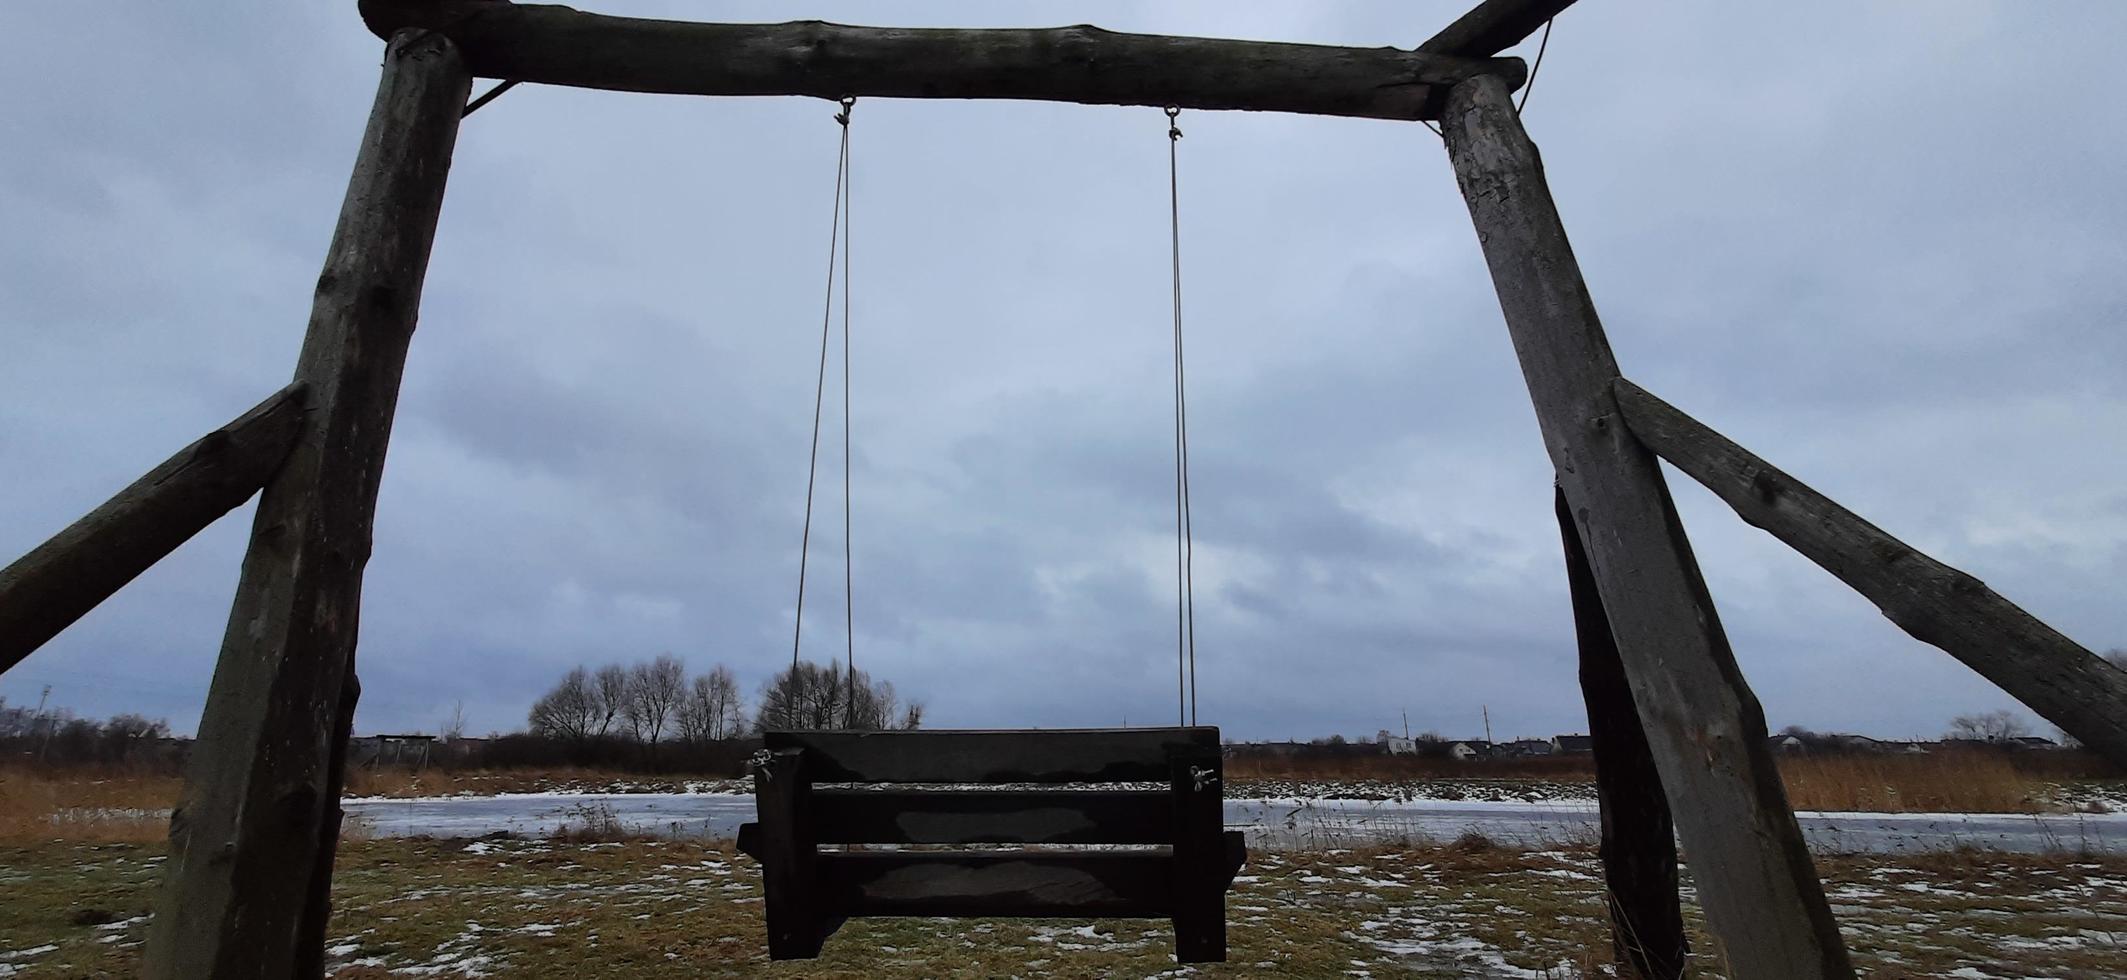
(681, 908)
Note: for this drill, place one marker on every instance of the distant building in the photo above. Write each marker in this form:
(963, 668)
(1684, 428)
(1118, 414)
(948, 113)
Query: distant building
(1572, 744)
(390, 750)
(1464, 751)
(2034, 742)
(1524, 747)
(1397, 744)
(1786, 743)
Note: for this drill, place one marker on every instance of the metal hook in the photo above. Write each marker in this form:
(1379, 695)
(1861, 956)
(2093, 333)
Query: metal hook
(849, 103)
(1174, 130)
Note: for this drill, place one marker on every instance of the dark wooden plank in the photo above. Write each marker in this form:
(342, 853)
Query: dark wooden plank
(245, 833)
(1015, 884)
(1091, 755)
(783, 843)
(1493, 26)
(1638, 836)
(1200, 869)
(1762, 897)
(866, 816)
(560, 46)
(59, 581)
(2051, 674)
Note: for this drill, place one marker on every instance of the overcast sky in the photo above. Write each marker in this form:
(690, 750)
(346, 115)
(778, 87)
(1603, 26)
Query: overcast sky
(1879, 244)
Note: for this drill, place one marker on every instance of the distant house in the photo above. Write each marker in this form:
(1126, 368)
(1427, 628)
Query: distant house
(2034, 742)
(1786, 743)
(1572, 744)
(390, 750)
(1523, 747)
(1466, 750)
(1397, 744)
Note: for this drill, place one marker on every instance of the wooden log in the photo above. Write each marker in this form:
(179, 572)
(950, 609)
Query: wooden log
(2051, 674)
(1200, 871)
(60, 580)
(561, 46)
(1493, 26)
(1763, 900)
(1638, 836)
(317, 910)
(1092, 755)
(244, 836)
(929, 816)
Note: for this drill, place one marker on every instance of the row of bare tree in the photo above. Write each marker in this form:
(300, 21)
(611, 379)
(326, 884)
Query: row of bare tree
(651, 701)
(645, 702)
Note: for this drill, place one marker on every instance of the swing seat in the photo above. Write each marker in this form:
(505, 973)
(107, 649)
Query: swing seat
(1043, 788)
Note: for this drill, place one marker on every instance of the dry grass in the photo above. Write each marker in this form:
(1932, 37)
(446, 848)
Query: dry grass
(1940, 782)
(1560, 768)
(693, 909)
(93, 805)
(402, 783)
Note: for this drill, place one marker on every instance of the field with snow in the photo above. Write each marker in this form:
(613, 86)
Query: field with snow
(653, 908)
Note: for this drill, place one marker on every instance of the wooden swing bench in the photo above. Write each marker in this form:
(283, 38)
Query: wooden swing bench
(882, 788)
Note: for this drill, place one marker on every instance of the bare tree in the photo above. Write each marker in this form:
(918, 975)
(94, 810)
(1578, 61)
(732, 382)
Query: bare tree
(1991, 726)
(572, 710)
(812, 697)
(454, 726)
(612, 690)
(654, 689)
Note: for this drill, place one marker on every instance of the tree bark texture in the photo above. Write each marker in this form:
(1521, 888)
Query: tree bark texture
(245, 835)
(1639, 838)
(1706, 730)
(59, 581)
(1493, 26)
(2050, 673)
(561, 46)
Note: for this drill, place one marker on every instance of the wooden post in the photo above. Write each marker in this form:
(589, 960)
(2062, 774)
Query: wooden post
(244, 837)
(317, 909)
(782, 793)
(1639, 838)
(60, 580)
(1199, 868)
(2050, 673)
(1705, 728)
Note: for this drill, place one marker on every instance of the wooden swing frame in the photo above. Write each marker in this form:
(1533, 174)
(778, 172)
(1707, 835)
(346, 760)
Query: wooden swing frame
(1679, 737)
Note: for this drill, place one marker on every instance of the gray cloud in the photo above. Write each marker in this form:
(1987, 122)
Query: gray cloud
(1886, 257)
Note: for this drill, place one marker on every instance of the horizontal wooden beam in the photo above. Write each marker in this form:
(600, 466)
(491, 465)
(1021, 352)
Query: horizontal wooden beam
(1493, 26)
(1018, 884)
(59, 581)
(1094, 755)
(2050, 673)
(929, 816)
(1036, 884)
(561, 46)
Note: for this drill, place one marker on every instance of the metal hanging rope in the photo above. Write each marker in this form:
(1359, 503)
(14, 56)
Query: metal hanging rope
(837, 247)
(1184, 533)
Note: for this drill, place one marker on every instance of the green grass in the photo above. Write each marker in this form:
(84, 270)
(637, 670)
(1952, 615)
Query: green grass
(683, 909)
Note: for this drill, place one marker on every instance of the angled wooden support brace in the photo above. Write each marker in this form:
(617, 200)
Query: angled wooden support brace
(1763, 900)
(2050, 673)
(60, 580)
(245, 835)
(1639, 838)
(1493, 26)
